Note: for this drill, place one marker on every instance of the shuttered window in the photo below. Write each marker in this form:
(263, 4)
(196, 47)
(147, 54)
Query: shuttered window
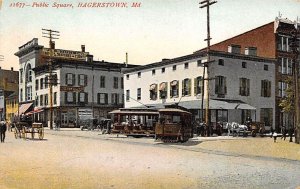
(198, 85)
(220, 85)
(244, 87)
(265, 88)
(82, 80)
(102, 98)
(266, 116)
(70, 79)
(186, 87)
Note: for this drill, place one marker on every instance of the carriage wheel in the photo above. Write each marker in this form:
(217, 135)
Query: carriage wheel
(24, 133)
(32, 133)
(41, 133)
(16, 133)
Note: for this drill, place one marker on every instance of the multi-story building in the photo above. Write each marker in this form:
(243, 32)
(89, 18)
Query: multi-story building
(8, 85)
(82, 87)
(12, 106)
(271, 40)
(240, 86)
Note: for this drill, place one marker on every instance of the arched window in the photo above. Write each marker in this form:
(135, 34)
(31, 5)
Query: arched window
(28, 74)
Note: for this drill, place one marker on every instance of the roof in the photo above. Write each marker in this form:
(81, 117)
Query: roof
(198, 56)
(134, 112)
(173, 110)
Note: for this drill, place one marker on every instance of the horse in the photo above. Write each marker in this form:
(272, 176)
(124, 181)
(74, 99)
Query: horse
(235, 128)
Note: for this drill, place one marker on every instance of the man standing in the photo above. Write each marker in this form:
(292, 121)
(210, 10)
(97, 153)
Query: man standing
(2, 130)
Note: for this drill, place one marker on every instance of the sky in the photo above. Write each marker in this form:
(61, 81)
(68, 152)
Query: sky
(157, 29)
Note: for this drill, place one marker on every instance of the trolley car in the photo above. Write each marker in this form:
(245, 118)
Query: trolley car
(175, 125)
(134, 122)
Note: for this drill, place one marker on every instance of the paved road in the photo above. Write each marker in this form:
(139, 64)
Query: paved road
(76, 159)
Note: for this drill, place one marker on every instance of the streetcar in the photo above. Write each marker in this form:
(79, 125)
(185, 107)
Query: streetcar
(174, 125)
(135, 122)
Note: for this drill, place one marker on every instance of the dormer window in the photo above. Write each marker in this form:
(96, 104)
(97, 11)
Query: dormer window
(235, 49)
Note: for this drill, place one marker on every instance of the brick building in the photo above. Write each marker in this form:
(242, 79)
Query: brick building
(271, 40)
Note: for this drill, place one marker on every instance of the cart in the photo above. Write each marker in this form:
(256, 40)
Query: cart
(18, 126)
(257, 127)
(35, 128)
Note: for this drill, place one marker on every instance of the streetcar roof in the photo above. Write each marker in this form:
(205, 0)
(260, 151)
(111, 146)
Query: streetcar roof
(134, 112)
(173, 110)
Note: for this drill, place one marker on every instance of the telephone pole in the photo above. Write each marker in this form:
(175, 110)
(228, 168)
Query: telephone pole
(294, 46)
(207, 4)
(51, 34)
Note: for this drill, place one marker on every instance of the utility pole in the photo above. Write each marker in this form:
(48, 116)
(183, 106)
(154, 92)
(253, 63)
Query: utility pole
(207, 4)
(51, 34)
(294, 46)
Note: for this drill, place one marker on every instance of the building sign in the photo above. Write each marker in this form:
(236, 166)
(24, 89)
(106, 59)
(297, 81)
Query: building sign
(65, 54)
(71, 89)
(31, 43)
(85, 113)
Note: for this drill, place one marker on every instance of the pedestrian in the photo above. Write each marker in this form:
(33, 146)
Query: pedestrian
(283, 132)
(2, 130)
(275, 136)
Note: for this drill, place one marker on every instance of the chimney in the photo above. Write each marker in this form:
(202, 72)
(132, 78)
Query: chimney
(52, 44)
(83, 48)
(89, 58)
(11, 68)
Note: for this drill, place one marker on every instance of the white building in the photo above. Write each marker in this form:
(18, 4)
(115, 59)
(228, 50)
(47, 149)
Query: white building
(84, 88)
(240, 86)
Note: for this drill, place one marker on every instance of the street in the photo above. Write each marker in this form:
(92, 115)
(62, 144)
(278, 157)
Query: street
(85, 159)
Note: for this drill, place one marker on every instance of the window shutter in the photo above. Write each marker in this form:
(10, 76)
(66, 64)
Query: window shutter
(85, 80)
(166, 90)
(74, 96)
(106, 98)
(241, 84)
(217, 85)
(98, 98)
(66, 97)
(269, 88)
(225, 86)
(171, 92)
(118, 100)
(86, 96)
(78, 80)
(73, 79)
(182, 87)
(262, 88)
(189, 86)
(65, 80)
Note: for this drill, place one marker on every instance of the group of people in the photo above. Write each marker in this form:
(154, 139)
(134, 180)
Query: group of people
(3, 129)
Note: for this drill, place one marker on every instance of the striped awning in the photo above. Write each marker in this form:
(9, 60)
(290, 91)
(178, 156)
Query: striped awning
(23, 108)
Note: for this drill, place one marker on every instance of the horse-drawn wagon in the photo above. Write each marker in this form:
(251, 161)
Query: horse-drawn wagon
(257, 127)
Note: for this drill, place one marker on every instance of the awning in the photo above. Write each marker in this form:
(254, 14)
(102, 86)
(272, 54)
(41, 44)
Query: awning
(162, 86)
(153, 87)
(23, 108)
(214, 104)
(35, 111)
(174, 83)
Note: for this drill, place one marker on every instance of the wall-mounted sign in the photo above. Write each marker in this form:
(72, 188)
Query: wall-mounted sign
(65, 54)
(33, 42)
(71, 89)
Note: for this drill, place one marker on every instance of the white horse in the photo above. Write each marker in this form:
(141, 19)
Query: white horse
(235, 128)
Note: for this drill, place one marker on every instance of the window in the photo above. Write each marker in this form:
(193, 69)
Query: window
(244, 64)
(82, 97)
(116, 82)
(102, 81)
(220, 86)
(174, 92)
(283, 43)
(82, 80)
(153, 92)
(114, 98)
(102, 98)
(186, 87)
(266, 67)
(163, 88)
(265, 88)
(41, 100)
(55, 98)
(46, 100)
(139, 94)
(199, 63)
(198, 85)
(42, 83)
(174, 67)
(37, 101)
(153, 72)
(285, 66)
(244, 87)
(21, 75)
(139, 74)
(221, 62)
(46, 82)
(127, 95)
(36, 84)
(122, 83)
(70, 97)
(28, 93)
(70, 79)
(53, 79)
(127, 76)
(163, 70)
(282, 86)
(266, 116)
(186, 65)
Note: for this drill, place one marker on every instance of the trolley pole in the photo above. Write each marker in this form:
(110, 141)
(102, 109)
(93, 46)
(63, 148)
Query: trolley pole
(207, 4)
(51, 34)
